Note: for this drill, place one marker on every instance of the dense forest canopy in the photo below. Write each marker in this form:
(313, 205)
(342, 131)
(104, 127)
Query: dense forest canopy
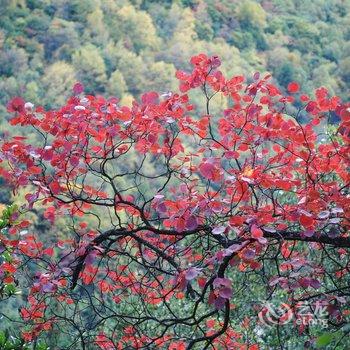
(124, 47)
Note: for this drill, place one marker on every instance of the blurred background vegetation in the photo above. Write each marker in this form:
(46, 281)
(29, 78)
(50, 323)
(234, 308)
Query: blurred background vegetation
(124, 47)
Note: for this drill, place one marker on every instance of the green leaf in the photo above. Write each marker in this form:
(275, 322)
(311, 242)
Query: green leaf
(8, 346)
(7, 256)
(10, 289)
(42, 346)
(324, 339)
(2, 338)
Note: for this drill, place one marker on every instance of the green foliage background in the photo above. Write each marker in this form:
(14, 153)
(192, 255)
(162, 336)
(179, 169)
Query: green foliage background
(124, 47)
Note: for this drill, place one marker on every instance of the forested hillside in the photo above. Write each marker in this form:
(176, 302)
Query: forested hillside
(122, 47)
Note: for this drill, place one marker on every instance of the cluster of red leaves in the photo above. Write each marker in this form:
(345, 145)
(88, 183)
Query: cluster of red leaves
(226, 183)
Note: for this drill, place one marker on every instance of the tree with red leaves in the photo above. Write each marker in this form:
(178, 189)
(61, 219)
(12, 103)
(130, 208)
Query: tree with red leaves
(182, 224)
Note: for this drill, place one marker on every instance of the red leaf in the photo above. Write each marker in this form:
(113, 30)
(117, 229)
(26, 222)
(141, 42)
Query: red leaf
(306, 220)
(211, 298)
(181, 75)
(256, 232)
(237, 220)
(293, 87)
(232, 154)
(304, 98)
(207, 170)
(48, 251)
(8, 267)
(201, 282)
(184, 86)
(16, 105)
(74, 161)
(236, 80)
(78, 88)
(35, 170)
(149, 98)
(55, 187)
(196, 60)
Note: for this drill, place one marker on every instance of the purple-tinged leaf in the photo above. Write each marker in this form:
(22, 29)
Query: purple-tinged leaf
(249, 254)
(314, 283)
(159, 196)
(304, 282)
(341, 300)
(191, 223)
(78, 88)
(333, 233)
(234, 248)
(337, 210)
(269, 229)
(225, 292)
(308, 233)
(256, 76)
(89, 260)
(220, 255)
(161, 208)
(262, 240)
(219, 303)
(323, 214)
(275, 280)
(48, 287)
(218, 230)
(221, 282)
(192, 273)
